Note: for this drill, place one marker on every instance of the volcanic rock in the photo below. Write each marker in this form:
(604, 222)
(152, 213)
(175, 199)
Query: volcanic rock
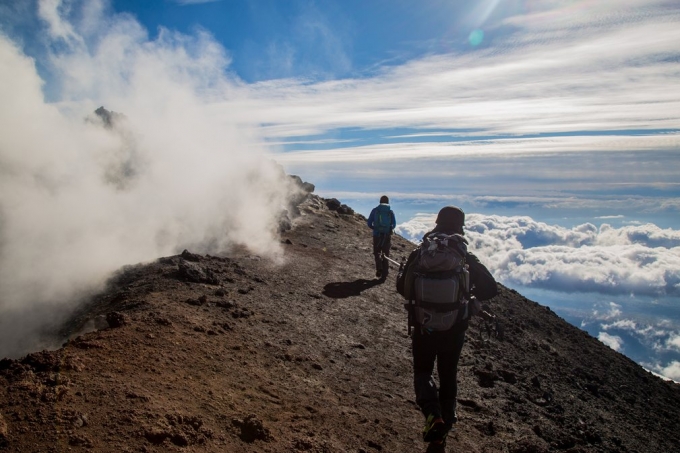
(311, 353)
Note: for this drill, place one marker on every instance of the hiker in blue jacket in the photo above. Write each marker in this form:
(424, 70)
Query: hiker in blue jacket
(382, 222)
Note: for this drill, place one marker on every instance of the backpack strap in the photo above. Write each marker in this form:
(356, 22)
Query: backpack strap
(439, 308)
(441, 275)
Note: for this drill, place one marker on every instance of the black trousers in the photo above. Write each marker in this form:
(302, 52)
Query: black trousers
(444, 348)
(382, 243)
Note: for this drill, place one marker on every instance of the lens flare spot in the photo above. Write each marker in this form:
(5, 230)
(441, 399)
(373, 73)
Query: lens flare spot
(476, 37)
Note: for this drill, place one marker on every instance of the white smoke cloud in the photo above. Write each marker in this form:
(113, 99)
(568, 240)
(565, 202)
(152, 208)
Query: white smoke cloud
(79, 200)
(635, 259)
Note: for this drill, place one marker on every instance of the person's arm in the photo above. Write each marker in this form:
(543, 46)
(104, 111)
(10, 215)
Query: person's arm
(405, 278)
(481, 281)
(371, 219)
(394, 221)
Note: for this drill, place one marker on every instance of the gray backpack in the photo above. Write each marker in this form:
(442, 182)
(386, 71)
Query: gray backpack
(441, 283)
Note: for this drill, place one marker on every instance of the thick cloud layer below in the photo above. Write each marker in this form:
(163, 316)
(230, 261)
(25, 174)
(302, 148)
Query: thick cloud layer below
(621, 285)
(80, 198)
(639, 259)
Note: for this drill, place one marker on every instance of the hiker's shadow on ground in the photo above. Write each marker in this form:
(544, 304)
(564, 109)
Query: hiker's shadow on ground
(340, 290)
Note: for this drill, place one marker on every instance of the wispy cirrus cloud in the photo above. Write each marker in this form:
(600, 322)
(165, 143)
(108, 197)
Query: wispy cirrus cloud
(481, 148)
(569, 101)
(572, 97)
(193, 2)
(606, 72)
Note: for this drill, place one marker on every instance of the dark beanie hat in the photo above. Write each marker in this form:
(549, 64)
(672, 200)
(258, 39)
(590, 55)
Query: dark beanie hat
(384, 199)
(451, 217)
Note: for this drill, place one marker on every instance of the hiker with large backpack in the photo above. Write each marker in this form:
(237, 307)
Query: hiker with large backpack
(382, 222)
(443, 283)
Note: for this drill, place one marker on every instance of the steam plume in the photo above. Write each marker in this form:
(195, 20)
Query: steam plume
(82, 194)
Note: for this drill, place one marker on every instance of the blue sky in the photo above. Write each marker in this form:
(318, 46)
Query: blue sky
(554, 123)
(317, 40)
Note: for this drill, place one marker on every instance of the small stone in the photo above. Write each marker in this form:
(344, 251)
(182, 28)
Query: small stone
(4, 430)
(116, 319)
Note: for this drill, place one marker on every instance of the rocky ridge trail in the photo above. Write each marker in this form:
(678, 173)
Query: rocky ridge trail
(235, 353)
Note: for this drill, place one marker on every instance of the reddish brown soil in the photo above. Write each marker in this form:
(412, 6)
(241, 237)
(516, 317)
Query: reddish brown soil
(236, 354)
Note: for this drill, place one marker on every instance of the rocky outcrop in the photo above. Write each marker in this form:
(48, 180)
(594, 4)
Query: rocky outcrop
(335, 205)
(299, 191)
(107, 117)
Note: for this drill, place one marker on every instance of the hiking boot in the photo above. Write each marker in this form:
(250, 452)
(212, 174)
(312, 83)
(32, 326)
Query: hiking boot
(435, 429)
(438, 446)
(450, 421)
(451, 418)
(378, 274)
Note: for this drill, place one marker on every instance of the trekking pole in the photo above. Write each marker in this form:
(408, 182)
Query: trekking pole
(383, 256)
(490, 323)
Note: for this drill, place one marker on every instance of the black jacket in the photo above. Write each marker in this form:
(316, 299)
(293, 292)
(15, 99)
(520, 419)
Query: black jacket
(483, 285)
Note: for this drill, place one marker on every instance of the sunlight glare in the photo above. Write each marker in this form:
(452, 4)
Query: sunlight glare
(476, 37)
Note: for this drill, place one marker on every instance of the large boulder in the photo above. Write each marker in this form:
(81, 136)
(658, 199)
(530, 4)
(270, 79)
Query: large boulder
(335, 205)
(344, 209)
(306, 187)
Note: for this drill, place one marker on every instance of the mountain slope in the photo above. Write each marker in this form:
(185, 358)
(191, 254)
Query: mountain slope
(236, 353)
